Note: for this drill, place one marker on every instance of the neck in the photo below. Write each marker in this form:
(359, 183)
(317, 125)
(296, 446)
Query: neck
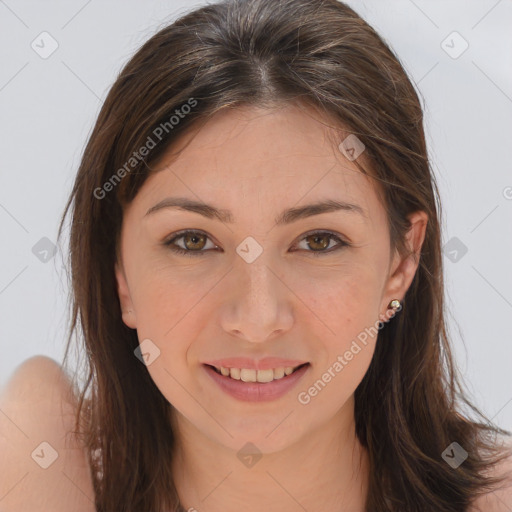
(327, 469)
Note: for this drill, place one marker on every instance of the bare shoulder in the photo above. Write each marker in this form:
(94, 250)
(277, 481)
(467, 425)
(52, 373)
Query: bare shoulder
(43, 466)
(500, 499)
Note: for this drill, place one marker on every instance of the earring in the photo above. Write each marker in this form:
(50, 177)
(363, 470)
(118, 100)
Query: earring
(395, 304)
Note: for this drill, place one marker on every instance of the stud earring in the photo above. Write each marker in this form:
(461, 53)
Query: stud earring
(395, 304)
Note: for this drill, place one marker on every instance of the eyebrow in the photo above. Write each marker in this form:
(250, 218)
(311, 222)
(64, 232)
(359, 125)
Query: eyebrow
(286, 217)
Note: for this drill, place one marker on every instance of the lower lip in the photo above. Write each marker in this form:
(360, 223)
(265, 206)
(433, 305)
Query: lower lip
(256, 391)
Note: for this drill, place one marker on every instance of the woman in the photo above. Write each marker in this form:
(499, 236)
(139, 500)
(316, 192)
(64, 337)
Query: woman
(257, 278)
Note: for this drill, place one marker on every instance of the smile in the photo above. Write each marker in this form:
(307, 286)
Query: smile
(250, 375)
(245, 384)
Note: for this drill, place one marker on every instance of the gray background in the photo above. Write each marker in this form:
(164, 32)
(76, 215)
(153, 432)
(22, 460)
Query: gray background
(48, 106)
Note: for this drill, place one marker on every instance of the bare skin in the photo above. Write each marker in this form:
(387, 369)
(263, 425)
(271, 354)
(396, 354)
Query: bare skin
(38, 406)
(287, 304)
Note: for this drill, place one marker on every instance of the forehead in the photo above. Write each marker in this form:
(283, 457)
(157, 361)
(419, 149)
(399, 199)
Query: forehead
(249, 158)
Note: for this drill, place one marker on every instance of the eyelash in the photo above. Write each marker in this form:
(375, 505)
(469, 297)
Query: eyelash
(170, 243)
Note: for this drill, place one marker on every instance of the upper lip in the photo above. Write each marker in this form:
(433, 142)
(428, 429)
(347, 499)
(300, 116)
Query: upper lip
(266, 363)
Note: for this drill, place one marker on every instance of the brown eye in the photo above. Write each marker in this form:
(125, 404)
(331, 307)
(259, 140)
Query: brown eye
(194, 241)
(318, 242)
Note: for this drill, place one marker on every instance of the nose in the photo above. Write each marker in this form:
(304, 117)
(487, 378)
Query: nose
(260, 306)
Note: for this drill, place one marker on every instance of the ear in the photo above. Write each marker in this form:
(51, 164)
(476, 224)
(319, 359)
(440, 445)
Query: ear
(127, 309)
(403, 267)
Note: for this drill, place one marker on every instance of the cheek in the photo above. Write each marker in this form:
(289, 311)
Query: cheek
(164, 308)
(164, 298)
(346, 310)
(345, 302)
(170, 308)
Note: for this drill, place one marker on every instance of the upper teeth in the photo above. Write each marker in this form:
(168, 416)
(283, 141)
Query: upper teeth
(248, 375)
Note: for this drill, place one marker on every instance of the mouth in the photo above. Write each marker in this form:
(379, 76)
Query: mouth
(250, 385)
(259, 376)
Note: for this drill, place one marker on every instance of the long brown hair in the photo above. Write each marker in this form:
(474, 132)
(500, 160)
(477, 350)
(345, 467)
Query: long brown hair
(318, 53)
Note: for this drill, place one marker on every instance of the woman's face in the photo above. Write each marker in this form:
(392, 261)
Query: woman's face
(253, 288)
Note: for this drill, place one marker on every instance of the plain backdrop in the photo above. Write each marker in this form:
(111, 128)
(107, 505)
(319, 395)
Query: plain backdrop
(457, 52)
